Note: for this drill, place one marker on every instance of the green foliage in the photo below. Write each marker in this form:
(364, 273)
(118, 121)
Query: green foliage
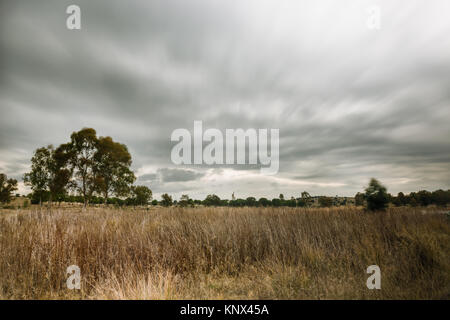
(306, 199)
(251, 202)
(325, 201)
(112, 168)
(141, 195)
(212, 200)
(291, 202)
(264, 202)
(7, 187)
(422, 198)
(83, 146)
(26, 204)
(39, 176)
(49, 173)
(185, 201)
(86, 164)
(376, 196)
(276, 202)
(359, 199)
(166, 200)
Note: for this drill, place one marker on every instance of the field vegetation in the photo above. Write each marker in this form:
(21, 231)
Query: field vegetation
(225, 253)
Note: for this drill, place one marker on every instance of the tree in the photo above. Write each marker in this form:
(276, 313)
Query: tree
(7, 187)
(251, 201)
(39, 177)
(166, 200)
(276, 202)
(60, 172)
(142, 195)
(325, 201)
(83, 149)
(291, 203)
(376, 196)
(212, 200)
(306, 200)
(359, 199)
(112, 163)
(401, 199)
(264, 202)
(425, 197)
(49, 173)
(185, 201)
(441, 197)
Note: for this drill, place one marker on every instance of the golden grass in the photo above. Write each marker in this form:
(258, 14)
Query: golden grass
(225, 253)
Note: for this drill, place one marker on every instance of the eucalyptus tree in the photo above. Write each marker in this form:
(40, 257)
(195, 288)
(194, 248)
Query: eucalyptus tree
(49, 172)
(82, 149)
(112, 167)
(39, 176)
(7, 187)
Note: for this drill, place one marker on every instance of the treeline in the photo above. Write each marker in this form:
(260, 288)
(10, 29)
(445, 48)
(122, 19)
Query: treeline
(414, 199)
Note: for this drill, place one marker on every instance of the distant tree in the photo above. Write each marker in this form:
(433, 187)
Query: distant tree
(142, 195)
(251, 202)
(281, 196)
(264, 202)
(441, 197)
(376, 196)
(154, 202)
(166, 200)
(425, 197)
(238, 203)
(413, 199)
(291, 203)
(83, 149)
(359, 199)
(401, 199)
(185, 201)
(7, 187)
(306, 199)
(276, 202)
(325, 201)
(212, 200)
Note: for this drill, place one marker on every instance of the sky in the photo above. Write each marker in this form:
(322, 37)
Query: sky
(350, 102)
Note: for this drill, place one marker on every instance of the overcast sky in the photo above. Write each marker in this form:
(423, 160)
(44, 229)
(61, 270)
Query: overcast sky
(350, 102)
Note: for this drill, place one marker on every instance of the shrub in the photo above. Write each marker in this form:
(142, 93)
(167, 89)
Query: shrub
(376, 196)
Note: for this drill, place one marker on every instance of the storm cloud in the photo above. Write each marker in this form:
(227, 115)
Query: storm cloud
(350, 102)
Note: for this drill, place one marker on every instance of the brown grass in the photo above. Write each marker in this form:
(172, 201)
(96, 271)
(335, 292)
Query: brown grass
(225, 253)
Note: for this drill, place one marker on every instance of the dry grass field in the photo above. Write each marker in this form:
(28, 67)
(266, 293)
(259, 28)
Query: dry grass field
(224, 253)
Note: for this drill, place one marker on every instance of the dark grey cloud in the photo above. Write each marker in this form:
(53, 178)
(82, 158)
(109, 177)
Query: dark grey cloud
(177, 175)
(350, 103)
